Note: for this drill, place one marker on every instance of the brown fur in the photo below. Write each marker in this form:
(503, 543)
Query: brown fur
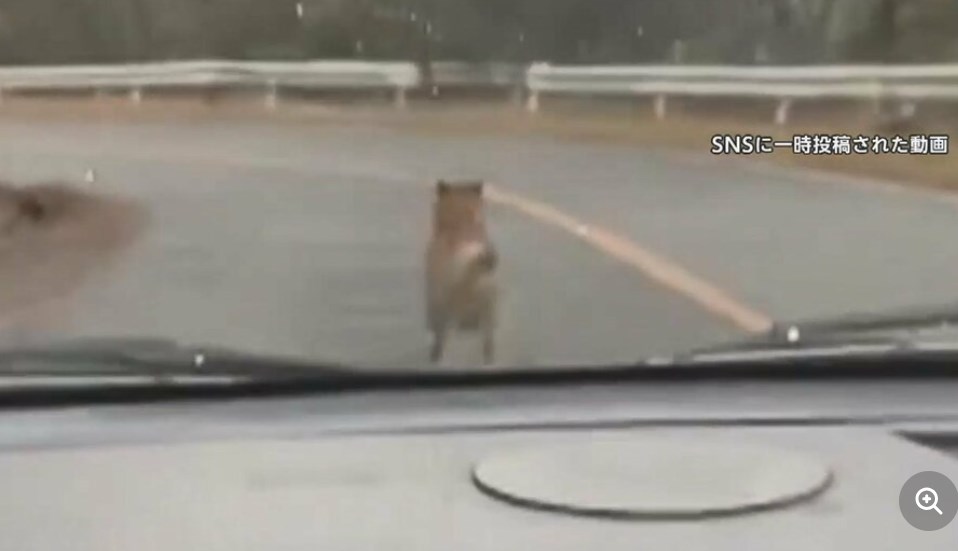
(461, 262)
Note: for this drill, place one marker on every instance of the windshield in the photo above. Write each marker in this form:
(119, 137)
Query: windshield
(434, 184)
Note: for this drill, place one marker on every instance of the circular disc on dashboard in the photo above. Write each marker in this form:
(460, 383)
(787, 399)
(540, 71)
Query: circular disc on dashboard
(652, 477)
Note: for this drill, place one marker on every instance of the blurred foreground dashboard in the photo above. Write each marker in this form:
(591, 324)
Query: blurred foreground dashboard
(766, 465)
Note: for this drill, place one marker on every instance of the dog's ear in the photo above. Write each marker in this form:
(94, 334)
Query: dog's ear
(442, 187)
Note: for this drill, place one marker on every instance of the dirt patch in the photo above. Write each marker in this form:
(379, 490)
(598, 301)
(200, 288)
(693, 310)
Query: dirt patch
(119, 109)
(53, 236)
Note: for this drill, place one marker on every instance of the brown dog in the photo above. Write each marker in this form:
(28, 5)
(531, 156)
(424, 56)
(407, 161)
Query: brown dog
(461, 264)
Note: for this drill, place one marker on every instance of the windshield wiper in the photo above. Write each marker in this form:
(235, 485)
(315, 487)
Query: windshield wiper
(122, 370)
(129, 360)
(884, 333)
(913, 318)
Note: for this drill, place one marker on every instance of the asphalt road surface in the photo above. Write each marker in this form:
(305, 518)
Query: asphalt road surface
(307, 241)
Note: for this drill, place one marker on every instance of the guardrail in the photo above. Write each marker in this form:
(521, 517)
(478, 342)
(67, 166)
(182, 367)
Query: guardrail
(399, 77)
(269, 76)
(784, 84)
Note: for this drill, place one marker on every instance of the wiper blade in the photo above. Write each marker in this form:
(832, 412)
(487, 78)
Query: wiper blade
(861, 334)
(158, 360)
(901, 319)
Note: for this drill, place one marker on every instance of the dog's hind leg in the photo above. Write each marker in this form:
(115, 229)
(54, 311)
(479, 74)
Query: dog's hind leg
(488, 331)
(438, 344)
(488, 347)
(436, 323)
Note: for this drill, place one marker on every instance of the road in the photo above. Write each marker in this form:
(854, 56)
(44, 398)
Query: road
(307, 240)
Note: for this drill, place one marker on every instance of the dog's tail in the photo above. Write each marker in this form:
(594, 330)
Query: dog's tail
(472, 261)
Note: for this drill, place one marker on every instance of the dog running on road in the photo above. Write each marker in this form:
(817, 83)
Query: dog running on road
(461, 264)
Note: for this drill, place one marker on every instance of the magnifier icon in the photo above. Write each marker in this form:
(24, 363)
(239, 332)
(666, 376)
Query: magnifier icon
(927, 500)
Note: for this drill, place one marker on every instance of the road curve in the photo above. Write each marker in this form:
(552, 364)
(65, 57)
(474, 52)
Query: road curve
(307, 241)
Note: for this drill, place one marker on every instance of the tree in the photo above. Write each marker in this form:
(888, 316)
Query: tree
(563, 31)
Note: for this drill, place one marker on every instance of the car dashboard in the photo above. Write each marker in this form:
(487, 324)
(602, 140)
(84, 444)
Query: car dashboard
(670, 465)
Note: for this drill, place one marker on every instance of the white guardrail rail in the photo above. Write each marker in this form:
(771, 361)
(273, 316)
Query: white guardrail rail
(782, 84)
(269, 76)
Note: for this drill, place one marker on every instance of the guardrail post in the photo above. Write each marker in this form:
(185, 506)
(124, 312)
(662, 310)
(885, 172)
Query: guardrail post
(400, 98)
(781, 112)
(660, 106)
(532, 102)
(908, 109)
(136, 96)
(271, 95)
